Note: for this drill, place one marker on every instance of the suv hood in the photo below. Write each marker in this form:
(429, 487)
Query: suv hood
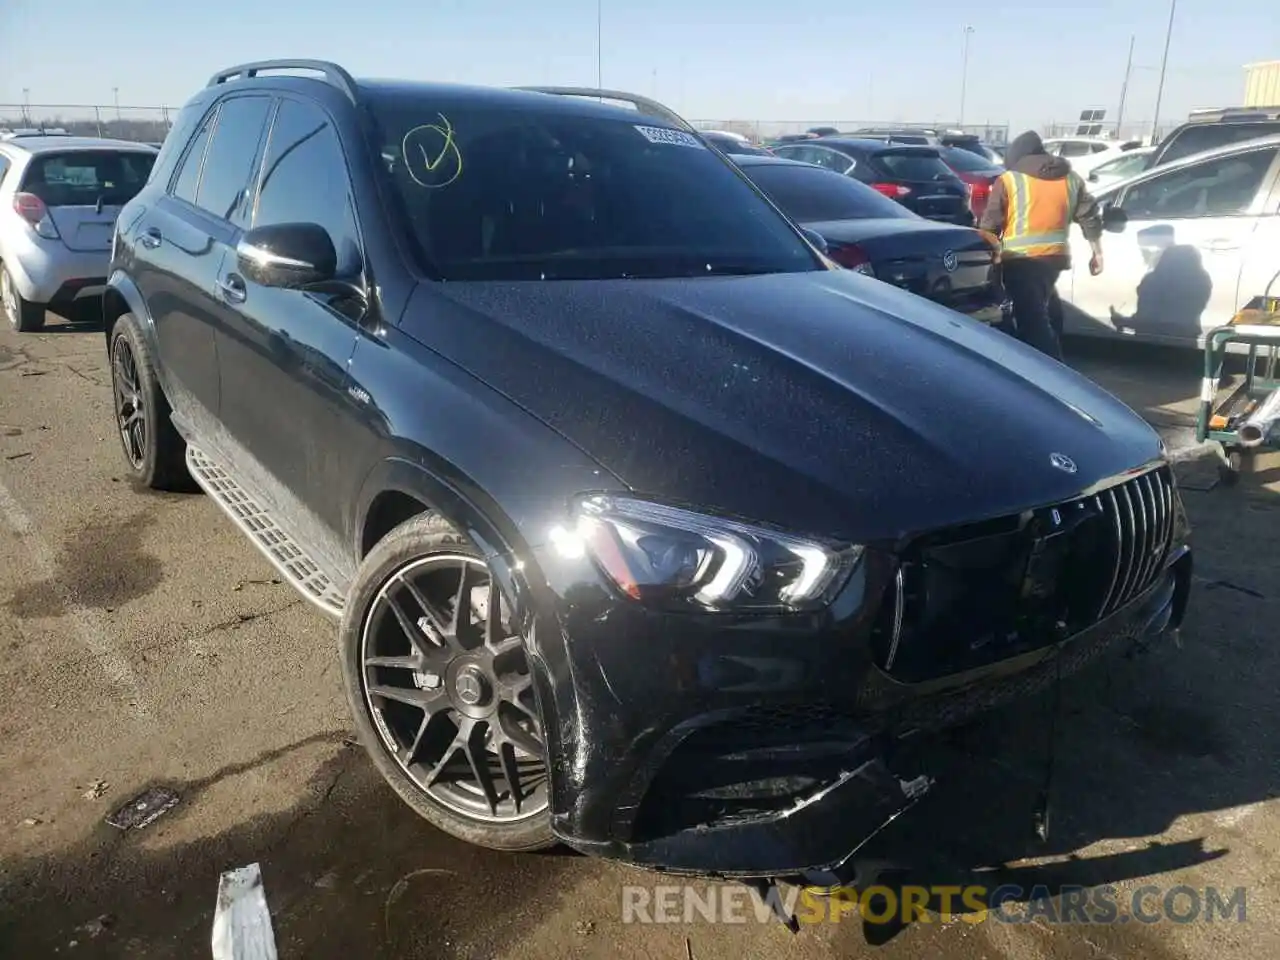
(826, 402)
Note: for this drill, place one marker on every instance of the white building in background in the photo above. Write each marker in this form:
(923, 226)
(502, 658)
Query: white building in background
(1262, 84)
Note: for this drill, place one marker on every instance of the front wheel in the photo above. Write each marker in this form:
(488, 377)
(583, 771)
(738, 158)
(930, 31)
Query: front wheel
(440, 689)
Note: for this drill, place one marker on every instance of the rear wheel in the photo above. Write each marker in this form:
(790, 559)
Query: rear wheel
(440, 689)
(153, 449)
(23, 315)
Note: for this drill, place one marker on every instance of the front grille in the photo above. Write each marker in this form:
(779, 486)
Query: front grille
(967, 597)
(1141, 516)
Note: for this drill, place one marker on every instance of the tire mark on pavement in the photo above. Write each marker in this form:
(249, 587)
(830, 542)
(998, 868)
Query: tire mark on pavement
(90, 627)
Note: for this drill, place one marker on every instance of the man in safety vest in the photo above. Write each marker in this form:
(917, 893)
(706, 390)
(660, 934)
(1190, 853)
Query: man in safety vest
(1031, 208)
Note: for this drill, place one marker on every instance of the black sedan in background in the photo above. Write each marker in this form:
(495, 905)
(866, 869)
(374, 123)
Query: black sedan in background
(867, 232)
(915, 176)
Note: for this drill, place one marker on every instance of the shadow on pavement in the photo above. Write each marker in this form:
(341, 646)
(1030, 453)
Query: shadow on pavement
(350, 872)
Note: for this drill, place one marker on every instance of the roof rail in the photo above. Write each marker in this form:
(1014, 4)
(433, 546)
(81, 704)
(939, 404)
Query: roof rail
(643, 104)
(333, 74)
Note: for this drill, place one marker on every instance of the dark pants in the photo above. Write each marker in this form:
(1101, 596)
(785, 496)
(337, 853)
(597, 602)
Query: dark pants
(1037, 311)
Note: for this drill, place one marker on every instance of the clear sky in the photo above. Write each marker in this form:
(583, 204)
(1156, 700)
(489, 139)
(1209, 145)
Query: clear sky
(1029, 62)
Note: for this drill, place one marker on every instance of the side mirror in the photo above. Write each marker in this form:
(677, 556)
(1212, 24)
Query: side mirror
(1093, 176)
(817, 239)
(289, 255)
(1114, 220)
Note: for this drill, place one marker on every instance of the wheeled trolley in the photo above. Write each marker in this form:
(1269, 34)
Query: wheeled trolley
(1247, 420)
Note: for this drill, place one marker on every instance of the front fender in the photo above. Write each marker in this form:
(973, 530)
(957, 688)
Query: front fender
(512, 564)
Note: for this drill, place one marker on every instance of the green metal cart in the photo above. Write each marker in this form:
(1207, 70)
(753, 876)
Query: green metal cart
(1228, 421)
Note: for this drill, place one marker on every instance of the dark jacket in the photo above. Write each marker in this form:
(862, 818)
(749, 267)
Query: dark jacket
(1027, 155)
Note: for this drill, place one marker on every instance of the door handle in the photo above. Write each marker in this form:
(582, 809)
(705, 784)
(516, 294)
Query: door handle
(150, 238)
(1221, 245)
(232, 288)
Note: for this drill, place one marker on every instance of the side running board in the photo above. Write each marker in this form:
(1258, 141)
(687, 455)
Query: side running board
(285, 553)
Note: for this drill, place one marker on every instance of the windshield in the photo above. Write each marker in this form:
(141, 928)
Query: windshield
(965, 161)
(811, 195)
(85, 177)
(496, 193)
(916, 165)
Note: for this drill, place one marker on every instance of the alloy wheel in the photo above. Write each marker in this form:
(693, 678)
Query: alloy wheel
(131, 415)
(448, 687)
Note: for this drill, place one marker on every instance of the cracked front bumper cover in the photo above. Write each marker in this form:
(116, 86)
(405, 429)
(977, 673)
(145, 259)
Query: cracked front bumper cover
(818, 837)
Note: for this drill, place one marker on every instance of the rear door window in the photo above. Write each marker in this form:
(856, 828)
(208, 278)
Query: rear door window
(229, 161)
(82, 178)
(913, 165)
(1206, 136)
(833, 160)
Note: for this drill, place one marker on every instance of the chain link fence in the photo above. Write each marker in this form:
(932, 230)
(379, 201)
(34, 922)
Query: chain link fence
(995, 134)
(141, 124)
(150, 124)
(1129, 130)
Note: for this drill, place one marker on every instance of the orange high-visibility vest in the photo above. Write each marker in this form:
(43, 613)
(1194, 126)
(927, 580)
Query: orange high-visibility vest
(1038, 214)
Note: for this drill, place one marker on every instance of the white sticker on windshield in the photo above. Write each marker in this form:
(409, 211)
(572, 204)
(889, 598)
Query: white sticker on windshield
(667, 135)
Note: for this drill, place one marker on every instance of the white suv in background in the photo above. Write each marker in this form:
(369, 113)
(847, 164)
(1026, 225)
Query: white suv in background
(1187, 244)
(1086, 153)
(59, 199)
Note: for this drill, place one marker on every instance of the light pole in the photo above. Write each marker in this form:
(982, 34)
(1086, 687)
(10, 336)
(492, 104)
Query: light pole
(964, 72)
(1124, 90)
(26, 105)
(599, 51)
(115, 93)
(1164, 62)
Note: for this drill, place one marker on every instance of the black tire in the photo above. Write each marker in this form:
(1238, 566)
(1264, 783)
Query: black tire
(405, 548)
(23, 315)
(154, 451)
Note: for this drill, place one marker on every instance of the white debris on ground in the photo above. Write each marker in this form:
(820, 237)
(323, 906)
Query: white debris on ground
(241, 920)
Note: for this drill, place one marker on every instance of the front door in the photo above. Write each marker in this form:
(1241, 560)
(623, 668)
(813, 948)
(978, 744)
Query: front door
(1174, 270)
(287, 397)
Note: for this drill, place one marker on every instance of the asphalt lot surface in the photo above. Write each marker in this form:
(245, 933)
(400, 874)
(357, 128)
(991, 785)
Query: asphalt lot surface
(146, 642)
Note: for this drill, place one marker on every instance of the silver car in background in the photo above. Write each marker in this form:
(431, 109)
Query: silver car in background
(59, 199)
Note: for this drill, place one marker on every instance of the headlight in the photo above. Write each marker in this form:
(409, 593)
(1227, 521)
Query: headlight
(654, 553)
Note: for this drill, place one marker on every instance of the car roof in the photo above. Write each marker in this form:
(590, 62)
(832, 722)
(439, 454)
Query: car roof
(575, 105)
(874, 146)
(62, 144)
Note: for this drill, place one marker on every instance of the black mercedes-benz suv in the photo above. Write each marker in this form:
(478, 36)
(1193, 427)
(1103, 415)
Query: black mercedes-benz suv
(649, 529)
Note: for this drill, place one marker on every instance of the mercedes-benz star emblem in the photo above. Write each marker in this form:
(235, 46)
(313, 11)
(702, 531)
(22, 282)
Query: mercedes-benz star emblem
(949, 261)
(1062, 462)
(469, 689)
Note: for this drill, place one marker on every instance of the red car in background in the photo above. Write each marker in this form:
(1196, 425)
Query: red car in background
(976, 171)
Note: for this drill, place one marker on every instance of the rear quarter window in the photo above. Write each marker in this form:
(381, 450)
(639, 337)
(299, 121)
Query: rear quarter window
(913, 165)
(82, 177)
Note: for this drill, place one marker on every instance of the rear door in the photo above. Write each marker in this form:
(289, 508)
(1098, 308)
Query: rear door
(1175, 270)
(85, 189)
(183, 238)
(931, 187)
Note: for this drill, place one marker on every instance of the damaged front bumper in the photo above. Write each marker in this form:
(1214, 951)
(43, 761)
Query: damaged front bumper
(753, 785)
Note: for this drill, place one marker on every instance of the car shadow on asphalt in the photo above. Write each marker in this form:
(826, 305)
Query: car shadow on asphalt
(1141, 741)
(349, 872)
